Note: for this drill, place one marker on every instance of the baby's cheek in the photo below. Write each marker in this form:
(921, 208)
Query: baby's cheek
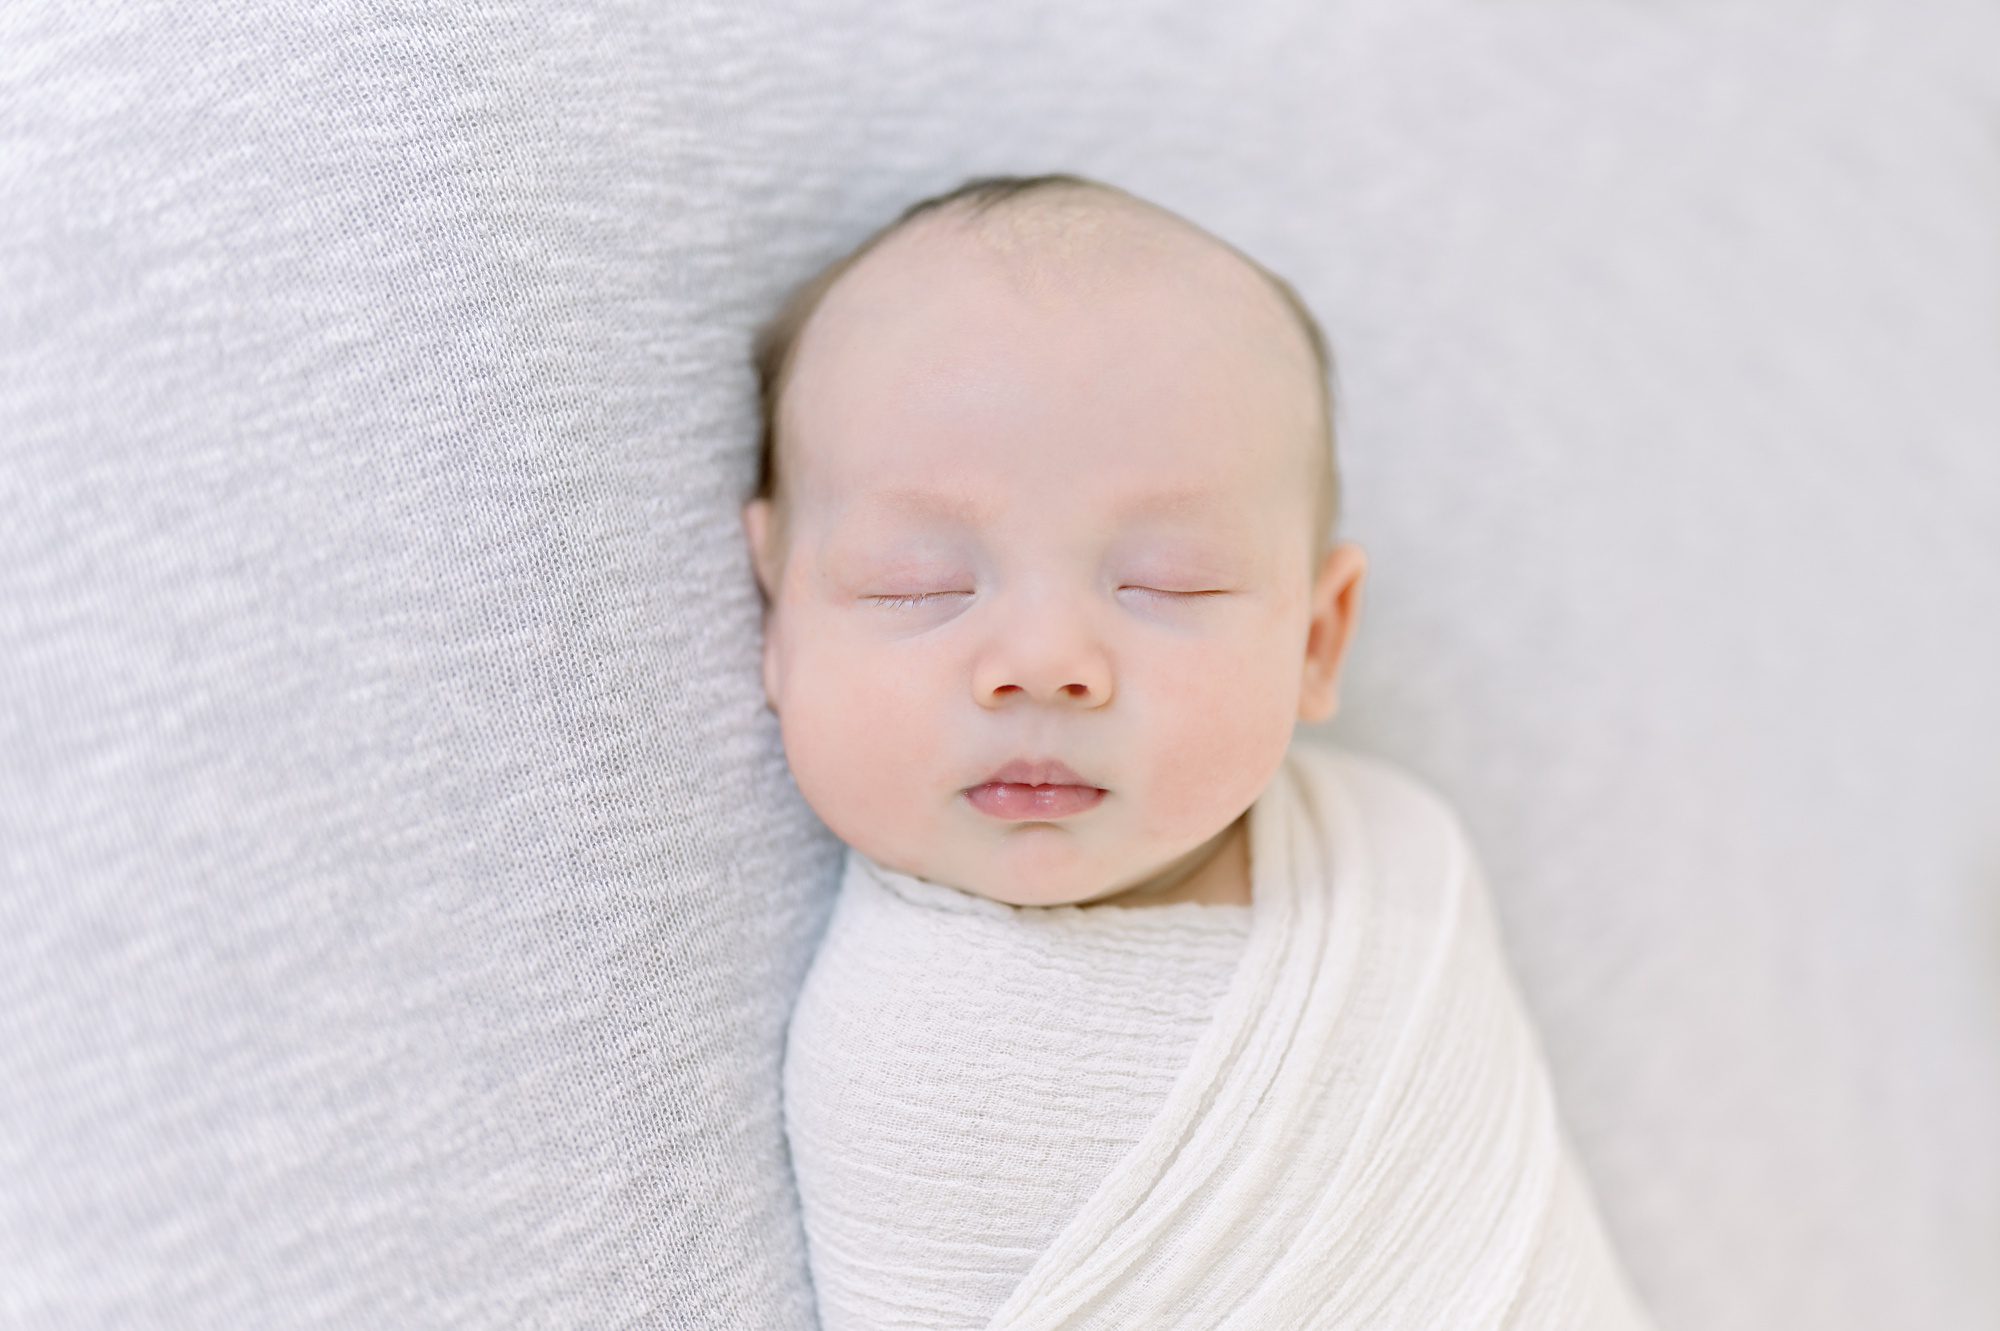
(853, 736)
(1217, 726)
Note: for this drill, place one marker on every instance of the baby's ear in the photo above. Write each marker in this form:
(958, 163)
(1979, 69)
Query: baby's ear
(1336, 602)
(756, 531)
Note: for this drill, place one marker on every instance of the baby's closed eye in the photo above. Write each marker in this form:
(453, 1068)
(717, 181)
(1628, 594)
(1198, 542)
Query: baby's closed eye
(922, 598)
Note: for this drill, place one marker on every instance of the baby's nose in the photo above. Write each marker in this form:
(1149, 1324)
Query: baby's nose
(1069, 669)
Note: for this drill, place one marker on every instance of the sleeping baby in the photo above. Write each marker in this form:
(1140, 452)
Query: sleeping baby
(1137, 1007)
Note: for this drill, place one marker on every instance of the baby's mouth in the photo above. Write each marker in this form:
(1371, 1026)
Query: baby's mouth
(1015, 802)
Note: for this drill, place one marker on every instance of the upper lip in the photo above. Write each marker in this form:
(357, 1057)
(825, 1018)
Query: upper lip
(1039, 772)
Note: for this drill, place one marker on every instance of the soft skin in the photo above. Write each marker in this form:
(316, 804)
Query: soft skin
(1048, 379)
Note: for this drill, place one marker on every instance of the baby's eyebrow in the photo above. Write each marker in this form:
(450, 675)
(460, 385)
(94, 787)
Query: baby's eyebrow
(1172, 501)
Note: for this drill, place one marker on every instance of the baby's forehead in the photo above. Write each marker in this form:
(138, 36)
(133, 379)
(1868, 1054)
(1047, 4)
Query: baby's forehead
(1071, 321)
(1123, 280)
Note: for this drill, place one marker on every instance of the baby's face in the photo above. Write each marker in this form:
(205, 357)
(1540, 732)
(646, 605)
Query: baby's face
(1048, 506)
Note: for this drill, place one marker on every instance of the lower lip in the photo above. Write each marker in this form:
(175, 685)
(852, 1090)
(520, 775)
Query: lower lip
(1017, 802)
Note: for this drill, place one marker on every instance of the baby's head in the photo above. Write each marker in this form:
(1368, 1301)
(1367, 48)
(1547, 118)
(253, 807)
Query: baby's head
(1048, 474)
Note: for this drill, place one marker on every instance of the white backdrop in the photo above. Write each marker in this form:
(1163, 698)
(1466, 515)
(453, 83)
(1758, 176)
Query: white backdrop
(1672, 357)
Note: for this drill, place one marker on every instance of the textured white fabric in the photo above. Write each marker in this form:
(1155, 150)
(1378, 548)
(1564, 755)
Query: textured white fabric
(939, 1147)
(1361, 1134)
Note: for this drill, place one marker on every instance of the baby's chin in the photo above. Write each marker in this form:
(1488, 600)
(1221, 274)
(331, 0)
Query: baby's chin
(1050, 864)
(1039, 894)
(1030, 865)
(1137, 880)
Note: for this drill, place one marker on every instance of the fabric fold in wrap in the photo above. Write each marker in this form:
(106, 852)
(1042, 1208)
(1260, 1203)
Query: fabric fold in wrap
(1361, 1134)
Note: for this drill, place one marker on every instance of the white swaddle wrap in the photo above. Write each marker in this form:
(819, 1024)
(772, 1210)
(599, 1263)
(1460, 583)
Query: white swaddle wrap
(1327, 1109)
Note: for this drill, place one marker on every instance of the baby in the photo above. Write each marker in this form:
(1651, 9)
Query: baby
(1048, 484)
(1045, 535)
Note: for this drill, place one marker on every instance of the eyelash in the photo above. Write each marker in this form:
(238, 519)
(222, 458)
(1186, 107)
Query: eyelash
(910, 600)
(905, 601)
